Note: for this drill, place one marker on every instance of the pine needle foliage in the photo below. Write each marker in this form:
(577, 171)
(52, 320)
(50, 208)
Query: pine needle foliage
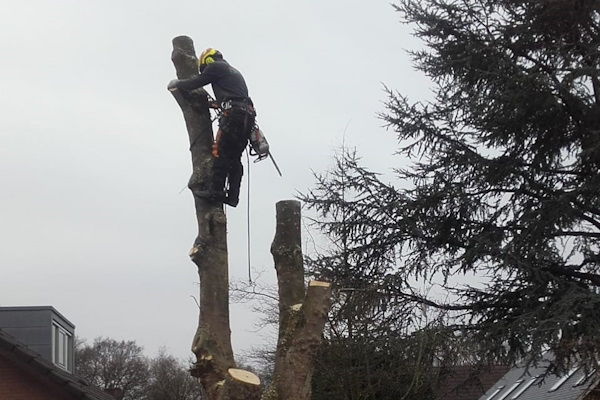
(502, 181)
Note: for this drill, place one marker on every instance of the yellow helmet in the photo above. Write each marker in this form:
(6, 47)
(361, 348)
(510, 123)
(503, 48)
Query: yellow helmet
(208, 56)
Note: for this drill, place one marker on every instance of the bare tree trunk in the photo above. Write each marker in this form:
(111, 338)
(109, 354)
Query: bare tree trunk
(212, 342)
(302, 316)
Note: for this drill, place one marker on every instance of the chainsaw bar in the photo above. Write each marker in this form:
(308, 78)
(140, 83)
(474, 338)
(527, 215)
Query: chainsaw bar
(275, 164)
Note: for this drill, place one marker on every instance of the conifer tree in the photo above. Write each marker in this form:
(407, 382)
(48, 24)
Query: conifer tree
(500, 201)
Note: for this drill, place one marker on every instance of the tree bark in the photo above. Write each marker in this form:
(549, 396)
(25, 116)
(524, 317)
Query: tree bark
(302, 316)
(212, 341)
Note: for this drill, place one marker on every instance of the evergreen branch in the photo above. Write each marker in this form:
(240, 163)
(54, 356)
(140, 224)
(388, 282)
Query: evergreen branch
(586, 276)
(578, 234)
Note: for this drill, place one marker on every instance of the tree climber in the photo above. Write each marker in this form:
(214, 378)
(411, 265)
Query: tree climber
(235, 124)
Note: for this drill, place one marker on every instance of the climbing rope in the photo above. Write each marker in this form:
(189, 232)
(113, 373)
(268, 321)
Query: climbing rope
(248, 216)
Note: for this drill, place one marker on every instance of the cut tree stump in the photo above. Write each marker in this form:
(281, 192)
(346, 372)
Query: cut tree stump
(241, 385)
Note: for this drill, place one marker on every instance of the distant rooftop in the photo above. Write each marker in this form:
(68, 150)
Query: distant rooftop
(28, 359)
(535, 383)
(37, 308)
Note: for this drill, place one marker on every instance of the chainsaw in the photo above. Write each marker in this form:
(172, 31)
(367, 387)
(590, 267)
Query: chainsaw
(259, 147)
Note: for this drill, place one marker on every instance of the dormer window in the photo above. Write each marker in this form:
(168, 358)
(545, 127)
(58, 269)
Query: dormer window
(44, 331)
(62, 347)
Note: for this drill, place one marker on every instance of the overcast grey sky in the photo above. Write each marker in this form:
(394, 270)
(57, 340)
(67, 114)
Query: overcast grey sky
(94, 151)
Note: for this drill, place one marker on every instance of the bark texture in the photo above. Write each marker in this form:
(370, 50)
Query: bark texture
(212, 341)
(302, 315)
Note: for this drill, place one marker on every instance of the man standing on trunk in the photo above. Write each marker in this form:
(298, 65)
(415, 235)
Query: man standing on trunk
(235, 124)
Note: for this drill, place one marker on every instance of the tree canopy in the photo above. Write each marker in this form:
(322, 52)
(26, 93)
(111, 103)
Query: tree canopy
(121, 367)
(110, 364)
(499, 201)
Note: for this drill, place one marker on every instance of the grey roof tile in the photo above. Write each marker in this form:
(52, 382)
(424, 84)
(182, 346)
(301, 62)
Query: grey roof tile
(573, 386)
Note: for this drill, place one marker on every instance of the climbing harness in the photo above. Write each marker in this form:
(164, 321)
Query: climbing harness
(259, 146)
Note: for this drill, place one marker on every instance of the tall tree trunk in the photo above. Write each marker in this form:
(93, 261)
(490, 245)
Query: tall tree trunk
(302, 315)
(212, 342)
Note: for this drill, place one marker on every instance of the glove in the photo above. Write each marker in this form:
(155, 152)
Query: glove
(172, 86)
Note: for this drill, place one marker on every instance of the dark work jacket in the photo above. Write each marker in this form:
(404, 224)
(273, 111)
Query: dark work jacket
(227, 82)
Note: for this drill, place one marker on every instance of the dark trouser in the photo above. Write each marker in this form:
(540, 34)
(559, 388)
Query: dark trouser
(235, 126)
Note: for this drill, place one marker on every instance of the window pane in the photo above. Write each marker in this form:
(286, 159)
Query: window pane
(61, 348)
(62, 343)
(55, 340)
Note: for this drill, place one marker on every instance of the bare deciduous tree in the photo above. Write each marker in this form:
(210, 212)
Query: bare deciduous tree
(110, 364)
(170, 380)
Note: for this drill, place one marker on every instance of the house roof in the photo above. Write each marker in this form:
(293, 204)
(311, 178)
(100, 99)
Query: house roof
(39, 308)
(534, 383)
(73, 384)
(465, 382)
